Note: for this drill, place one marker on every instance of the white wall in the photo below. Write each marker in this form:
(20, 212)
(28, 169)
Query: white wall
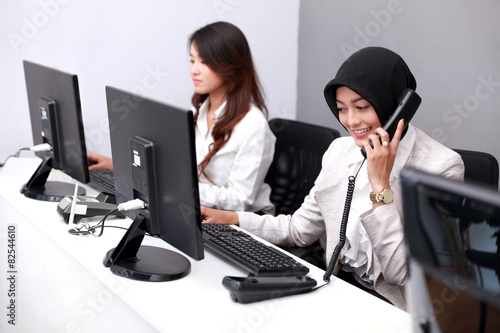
(139, 46)
(451, 46)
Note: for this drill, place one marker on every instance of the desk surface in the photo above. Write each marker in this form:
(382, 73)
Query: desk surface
(62, 285)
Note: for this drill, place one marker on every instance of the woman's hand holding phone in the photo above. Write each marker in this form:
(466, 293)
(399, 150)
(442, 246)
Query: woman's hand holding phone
(380, 158)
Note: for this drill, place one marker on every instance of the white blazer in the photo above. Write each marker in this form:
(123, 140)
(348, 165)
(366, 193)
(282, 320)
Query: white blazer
(322, 211)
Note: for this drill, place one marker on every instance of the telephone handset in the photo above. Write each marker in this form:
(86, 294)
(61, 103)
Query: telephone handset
(409, 102)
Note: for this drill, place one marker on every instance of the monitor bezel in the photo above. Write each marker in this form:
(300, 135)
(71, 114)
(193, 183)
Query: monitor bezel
(416, 184)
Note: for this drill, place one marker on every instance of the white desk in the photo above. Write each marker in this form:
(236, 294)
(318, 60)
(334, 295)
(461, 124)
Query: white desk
(62, 285)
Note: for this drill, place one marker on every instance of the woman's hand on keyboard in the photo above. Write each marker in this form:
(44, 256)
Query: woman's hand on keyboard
(97, 161)
(210, 215)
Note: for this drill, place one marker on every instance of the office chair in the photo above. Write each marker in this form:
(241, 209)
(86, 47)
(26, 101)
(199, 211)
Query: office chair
(296, 164)
(480, 167)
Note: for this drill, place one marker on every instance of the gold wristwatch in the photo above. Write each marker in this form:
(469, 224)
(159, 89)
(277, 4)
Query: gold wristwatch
(386, 196)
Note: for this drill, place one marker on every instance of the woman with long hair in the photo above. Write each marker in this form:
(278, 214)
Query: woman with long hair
(234, 144)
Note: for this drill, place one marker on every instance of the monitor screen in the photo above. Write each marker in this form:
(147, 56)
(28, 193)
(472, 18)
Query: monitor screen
(154, 160)
(56, 119)
(452, 232)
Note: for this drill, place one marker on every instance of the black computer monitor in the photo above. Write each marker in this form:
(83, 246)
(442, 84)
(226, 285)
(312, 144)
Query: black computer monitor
(452, 232)
(56, 119)
(154, 160)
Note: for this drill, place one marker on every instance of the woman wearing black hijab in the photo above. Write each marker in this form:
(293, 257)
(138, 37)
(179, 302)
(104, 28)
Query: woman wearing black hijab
(362, 96)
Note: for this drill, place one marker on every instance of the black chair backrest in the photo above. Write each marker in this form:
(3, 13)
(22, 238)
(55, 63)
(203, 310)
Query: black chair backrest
(480, 167)
(297, 161)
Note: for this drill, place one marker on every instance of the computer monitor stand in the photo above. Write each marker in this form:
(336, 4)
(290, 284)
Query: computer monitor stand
(40, 189)
(145, 263)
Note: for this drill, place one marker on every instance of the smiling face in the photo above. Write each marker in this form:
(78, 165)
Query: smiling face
(205, 80)
(356, 115)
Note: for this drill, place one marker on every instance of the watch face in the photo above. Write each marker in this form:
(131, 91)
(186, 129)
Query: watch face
(387, 196)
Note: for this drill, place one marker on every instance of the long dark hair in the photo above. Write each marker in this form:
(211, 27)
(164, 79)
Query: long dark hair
(224, 48)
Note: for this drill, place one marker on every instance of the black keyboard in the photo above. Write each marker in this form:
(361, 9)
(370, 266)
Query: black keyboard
(249, 253)
(104, 179)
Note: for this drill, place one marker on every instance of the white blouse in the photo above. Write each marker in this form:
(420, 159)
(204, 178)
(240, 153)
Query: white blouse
(238, 169)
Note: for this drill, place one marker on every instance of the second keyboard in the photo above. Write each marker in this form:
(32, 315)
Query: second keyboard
(249, 253)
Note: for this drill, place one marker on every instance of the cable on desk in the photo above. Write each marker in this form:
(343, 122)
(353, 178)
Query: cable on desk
(40, 147)
(15, 155)
(85, 229)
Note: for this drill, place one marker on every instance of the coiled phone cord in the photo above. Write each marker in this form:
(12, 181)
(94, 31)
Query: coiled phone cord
(343, 226)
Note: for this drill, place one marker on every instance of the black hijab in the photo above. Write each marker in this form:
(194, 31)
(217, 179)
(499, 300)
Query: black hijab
(376, 74)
